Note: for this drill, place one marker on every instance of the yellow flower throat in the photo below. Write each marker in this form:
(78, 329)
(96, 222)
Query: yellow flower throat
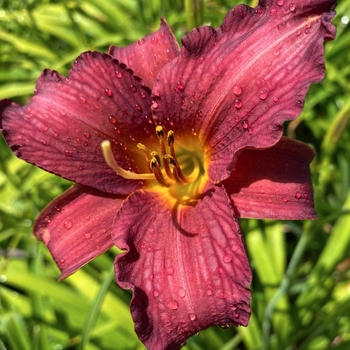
(180, 174)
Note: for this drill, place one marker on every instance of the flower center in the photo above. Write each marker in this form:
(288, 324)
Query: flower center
(181, 172)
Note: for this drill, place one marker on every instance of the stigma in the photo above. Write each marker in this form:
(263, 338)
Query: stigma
(163, 165)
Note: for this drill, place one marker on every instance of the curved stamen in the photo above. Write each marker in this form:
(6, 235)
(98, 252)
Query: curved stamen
(110, 160)
(155, 166)
(160, 135)
(171, 141)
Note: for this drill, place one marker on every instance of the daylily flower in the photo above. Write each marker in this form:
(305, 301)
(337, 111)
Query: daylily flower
(168, 148)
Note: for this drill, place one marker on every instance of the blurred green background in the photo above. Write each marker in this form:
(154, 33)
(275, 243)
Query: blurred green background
(301, 287)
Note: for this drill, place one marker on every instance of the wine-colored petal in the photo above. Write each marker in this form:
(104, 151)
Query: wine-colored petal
(186, 264)
(63, 125)
(274, 183)
(76, 227)
(147, 56)
(235, 86)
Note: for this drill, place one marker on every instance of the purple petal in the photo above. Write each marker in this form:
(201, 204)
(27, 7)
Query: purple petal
(76, 227)
(186, 264)
(149, 55)
(63, 125)
(235, 86)
(274, 183)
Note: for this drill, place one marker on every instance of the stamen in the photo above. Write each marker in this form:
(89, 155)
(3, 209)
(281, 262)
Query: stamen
(171, 141)
(155, 166)
(160, 135)
(172, 161)
(147, 153)
(110, 160)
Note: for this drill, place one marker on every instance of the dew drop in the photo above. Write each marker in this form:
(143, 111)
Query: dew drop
(192, 316)
(87, 235)
(156, 93)
(154, 40)
(181, 293)
(68, 153)
(112, 119)
(209, 292)
(43, 142)
(44, 127)
(224, 326)
(173, 305)
(109, 92)
(82, 99)
(180, 86)
(273, 12)
(138, 107)
(227, 258)
(245, 124)
(87, 135)
(220, 270)
(269, 200)
(275, 99)
(292, 7)
(155, 293)
(68, 224)
(62, 262)
(238, 103)
(281, 26)
(118, 74)
(143, 95)
(285, 199)
(263, 95)
(237, 90)
(154, 105)
(133, 88)
(170, 270)
(280, 2)
(297, 195)
(141, 41)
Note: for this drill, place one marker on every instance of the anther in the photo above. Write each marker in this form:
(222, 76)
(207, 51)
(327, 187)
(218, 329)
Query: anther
(110, 160)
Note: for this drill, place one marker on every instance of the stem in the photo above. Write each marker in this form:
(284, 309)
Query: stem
(283, 288)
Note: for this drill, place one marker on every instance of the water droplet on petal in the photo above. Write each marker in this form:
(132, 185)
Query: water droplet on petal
(141, 41)
(297, 195)
(170, 270)
(82, 99)
(237, 90)
(87, 135)
(133, 88)
(275, 99)
(245, 124)
(285, 199)
(138, 107)
(179, 86)
(44, 127)
(209, 292)
(224, 326)
(154, 105)
(68, 224)
(280, 2)
(118, 74)
(227, 258)
(181, 293)
(292, 7)
(238, 103)
(62, 262)
(112, 119)
(173, 305)
(155, 293)
(192, 316)
(220, 270)
(273, 12)
(154, 40)
(68, 153)
(109, 92)
(263, 95)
